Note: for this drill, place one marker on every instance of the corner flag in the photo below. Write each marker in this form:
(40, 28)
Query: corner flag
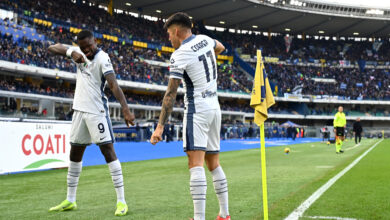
(261, 100)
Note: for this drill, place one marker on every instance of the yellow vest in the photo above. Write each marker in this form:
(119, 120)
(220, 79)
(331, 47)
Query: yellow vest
(339, 120)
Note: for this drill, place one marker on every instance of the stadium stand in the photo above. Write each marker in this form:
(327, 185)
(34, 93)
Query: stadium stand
(140, 52)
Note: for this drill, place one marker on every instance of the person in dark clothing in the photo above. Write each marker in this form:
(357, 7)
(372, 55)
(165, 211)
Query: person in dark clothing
(138, 131)
(166, 132)
(223, 131)
(154, 126)
(325, 134)
(172, 132)
(294, 133)
(357, 130)
(250, 131)
(289, 132)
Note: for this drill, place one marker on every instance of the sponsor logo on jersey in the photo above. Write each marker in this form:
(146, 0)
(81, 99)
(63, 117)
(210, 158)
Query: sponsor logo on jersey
(208, 93)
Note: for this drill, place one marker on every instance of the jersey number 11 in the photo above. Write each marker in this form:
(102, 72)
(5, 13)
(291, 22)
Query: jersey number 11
(206, 66)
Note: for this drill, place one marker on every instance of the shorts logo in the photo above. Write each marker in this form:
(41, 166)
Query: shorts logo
(172, 61)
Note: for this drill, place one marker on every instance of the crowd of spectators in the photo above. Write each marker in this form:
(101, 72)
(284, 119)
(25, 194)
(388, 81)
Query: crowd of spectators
(350, 83)
(31, 53)
(129, 62)
(94, 18)
(132, 98)
(156, 100)
(25, 87)
(97, 19)
(307, 49)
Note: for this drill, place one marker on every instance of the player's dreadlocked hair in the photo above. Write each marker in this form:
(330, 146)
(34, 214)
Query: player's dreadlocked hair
(84, 34)
(179, 18)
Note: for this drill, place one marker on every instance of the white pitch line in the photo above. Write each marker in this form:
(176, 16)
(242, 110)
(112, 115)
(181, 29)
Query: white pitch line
(330, 217)
(350, 148)
(298, 212)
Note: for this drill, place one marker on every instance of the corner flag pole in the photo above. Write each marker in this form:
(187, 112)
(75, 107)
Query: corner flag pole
(261, 100)
(263, 172)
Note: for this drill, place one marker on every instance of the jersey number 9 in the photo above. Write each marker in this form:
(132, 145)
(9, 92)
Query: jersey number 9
(101, 127)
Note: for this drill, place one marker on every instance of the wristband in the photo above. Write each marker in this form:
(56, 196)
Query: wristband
(69, 52)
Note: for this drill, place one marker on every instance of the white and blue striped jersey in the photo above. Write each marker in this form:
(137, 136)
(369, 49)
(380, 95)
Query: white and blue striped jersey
(194, 62)
(90, 83)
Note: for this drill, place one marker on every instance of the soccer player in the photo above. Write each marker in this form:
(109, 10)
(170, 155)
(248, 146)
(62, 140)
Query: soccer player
(194, 62)
(91, 122)
(357, 130)
(339, 124)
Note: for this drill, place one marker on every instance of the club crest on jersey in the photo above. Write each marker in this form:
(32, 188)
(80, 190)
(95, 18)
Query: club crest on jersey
(84, 68)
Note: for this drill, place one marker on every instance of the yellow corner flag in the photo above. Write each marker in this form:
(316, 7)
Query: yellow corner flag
(261, 100)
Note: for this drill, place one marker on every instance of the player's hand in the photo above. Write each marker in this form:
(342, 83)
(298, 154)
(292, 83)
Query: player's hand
(334, 130)
(129, 117)
(77, 57)
(157, 135)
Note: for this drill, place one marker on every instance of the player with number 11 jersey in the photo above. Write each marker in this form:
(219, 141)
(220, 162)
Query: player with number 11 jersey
(194, 62)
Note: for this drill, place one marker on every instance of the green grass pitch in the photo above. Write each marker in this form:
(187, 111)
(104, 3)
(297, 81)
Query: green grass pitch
(159, 189)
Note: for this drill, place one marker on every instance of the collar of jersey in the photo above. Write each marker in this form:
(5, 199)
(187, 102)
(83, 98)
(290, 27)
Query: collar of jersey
(188, 39)
(98, 50)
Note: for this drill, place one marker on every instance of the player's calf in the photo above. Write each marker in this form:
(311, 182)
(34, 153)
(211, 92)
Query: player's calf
(108, 152)
(198, 188)
(221, 189)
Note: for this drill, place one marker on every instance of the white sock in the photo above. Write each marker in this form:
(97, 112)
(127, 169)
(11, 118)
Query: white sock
(74, 171)
(221, 189)
(198, 188)
(117, 179)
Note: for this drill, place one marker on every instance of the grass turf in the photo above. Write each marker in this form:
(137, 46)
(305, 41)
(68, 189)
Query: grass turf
(363, 192)
(158, 189)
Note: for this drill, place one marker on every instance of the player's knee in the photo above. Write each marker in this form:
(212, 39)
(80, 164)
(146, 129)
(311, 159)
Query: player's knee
(108, 152)
(76, 153)
(194, 163)
(75, 157)
(212, 166)
(110, 156)
(212, 161)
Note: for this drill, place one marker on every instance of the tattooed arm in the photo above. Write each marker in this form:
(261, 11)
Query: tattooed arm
(166, 109)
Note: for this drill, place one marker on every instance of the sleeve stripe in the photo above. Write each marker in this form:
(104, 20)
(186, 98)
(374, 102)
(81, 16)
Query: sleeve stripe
(175, 77)
(108, 72)
(176, 74)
